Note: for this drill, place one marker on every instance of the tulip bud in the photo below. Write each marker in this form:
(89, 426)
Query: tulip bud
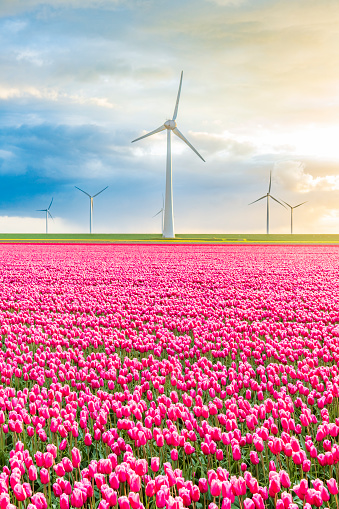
(64, 501)
(44, 476)
(32, 473)
(76, 457)
(332, 486)
(155, 464)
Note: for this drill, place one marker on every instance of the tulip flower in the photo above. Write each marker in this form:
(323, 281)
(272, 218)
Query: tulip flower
(44, 476)
(48, 460)
(32, 473)
(39, 500)
(19, 492)
(77, 499)
(123, 502)
(76, 457)
(215, 488)
(155, 464)
(332, 486)
(64, 501)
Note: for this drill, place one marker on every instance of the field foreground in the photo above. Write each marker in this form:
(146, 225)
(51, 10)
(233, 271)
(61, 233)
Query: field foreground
(131, 238)
(169, 376)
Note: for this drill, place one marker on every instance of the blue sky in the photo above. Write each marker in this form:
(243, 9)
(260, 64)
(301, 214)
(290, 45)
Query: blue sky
(80, 79)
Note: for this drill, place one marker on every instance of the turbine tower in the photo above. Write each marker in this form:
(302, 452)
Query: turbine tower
(268, 196)
(171, 126)
(161, 211)
(47, 214)
(295, 206)
(91, 205)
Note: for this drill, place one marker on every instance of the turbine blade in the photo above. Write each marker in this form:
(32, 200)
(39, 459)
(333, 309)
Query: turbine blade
(270, 184)
(50, 215)
(299, 204)
(255, 201)
(41, 210)
(157, 213)
(50, 204)
(181, 136)
(163, 202)
(161, 128)
(102, 190)
(178, 98)
(82, 191)
(287, 204)
(277, 201)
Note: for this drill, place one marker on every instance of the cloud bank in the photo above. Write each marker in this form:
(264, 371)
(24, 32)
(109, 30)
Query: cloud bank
(80, 80)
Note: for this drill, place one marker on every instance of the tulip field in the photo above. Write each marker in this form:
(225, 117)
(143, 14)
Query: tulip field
(169, 376)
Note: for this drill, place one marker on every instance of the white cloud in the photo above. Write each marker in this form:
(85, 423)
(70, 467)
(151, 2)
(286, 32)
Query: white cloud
(7, 93)
(293, 176)
(225, 144)
(329, 221)
(13, 26)
(228, 3)
(31, 56)
(11, 7)
(17, 224)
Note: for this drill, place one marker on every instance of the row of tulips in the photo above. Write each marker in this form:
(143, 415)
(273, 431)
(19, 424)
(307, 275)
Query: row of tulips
(183, 376)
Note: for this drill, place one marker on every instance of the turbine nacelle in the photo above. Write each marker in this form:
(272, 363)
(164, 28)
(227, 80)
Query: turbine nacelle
(170, 124)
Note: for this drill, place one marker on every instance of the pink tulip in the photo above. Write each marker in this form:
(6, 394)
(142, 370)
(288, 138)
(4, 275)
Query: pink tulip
(103, 504)
(48, 460)
(274, 486)
(88, 439)
(135, 483)
(64, 501)
(52, 449)
(32, 473)
(160, 500)
(77, 498)
(284, 479)
(63, 445)
(155, 464)
(332, 486)
(76, 457)
(39, 500)
(258, 501)
(123, 502)
(248, 504)
(44, 476)
(150, 488)
(215, 488)
(67, 464)
(174, 455)
(19, 492)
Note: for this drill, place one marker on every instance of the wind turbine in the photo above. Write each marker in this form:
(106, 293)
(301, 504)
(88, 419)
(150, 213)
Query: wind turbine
(161, 211)
(295, 206)
(171, 126)
(91, 205)
(47, 214)
(268, 196)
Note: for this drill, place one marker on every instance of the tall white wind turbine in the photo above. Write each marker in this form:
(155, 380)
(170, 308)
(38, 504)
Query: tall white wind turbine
(268, 196)
(47, 214)
(161, 211)
(91, 205)
(292, 208)
(171, 126)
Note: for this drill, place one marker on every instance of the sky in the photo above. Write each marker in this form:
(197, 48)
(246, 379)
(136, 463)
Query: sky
(80, 79)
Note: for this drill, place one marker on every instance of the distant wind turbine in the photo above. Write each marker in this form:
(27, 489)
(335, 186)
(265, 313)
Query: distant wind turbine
(91, 205)
(47, 214)
(171, 126)
(161, 211)
(268, 196)
(295, 206)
